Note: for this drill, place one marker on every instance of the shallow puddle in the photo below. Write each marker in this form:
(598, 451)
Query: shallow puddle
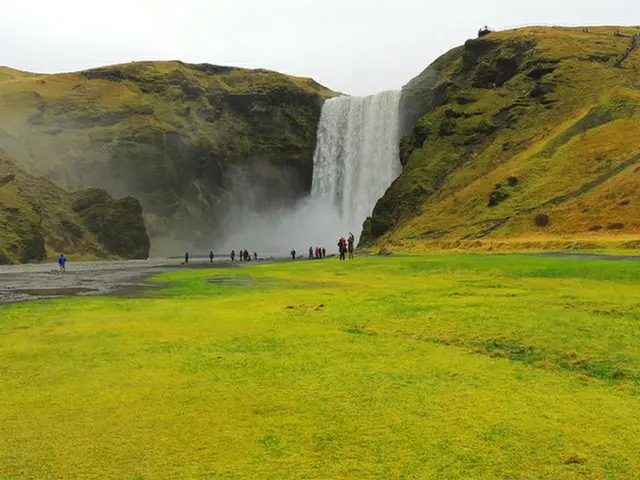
(56, 292)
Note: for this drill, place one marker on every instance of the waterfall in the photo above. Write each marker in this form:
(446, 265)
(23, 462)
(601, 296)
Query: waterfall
(356, 160)
(356, 156)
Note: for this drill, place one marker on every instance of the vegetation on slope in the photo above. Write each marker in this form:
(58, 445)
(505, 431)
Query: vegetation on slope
(525, 138)
(433, 367)
(39, 220)
(177, 136)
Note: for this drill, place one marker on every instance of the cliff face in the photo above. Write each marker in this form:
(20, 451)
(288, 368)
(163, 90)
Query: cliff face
(39, 220)
(185, 139)
(526, 138)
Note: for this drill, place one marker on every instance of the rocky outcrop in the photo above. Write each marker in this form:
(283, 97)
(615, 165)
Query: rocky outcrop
(118, 224)
(39, 220)
(185, 139)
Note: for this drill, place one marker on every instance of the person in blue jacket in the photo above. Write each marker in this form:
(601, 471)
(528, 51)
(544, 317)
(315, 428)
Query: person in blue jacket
(62, 263)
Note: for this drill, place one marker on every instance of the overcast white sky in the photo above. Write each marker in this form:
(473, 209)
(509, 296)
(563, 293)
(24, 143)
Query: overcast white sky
(354, 46)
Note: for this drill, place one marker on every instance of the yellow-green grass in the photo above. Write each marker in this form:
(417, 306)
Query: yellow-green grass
(442, 366)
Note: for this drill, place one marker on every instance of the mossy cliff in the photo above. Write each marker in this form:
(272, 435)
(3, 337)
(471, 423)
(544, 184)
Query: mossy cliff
(525, 138)
(179, 137)
(38, 220)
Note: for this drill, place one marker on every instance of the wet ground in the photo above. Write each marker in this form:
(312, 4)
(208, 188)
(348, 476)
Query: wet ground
(33, 281)
(20, 283)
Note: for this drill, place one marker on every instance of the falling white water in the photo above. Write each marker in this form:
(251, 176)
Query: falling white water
(356, 157)
(356, 160)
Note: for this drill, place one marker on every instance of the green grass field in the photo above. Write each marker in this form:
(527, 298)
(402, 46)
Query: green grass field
(444, 366)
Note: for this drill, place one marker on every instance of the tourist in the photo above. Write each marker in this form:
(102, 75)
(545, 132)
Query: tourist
(293, 255)
(62, 263)
(233, 255)
(255, 256)
(342, 248)
(352, 241)
(310, 253)
(211, 257)
(186, 258)
(324, 252)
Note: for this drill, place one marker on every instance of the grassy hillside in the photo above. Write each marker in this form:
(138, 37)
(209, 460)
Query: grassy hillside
(39, 220)
(177, 136)
(521, 139)
(441, 367)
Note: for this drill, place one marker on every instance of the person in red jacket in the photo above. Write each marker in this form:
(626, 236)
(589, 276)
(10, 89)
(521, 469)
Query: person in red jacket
(342, 246)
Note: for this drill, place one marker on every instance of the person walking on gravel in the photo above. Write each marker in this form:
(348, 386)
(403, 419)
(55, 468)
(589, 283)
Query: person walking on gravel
(62, 263)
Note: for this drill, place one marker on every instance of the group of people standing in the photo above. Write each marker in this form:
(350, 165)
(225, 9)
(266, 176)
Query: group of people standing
(244, 256)
(346, 246)
(318, 253)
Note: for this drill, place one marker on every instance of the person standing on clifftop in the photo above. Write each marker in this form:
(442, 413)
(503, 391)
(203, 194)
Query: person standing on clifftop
(186, 258)
(233, 255)
(62, 263)
(211, 257)
(310, 253)
(293, 255)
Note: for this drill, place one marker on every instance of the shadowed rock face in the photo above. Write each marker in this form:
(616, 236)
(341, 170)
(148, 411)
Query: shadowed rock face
(38, 220)
(118, 224)
(176, 136)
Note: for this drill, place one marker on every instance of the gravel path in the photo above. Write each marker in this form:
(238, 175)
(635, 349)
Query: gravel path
(33, 281)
